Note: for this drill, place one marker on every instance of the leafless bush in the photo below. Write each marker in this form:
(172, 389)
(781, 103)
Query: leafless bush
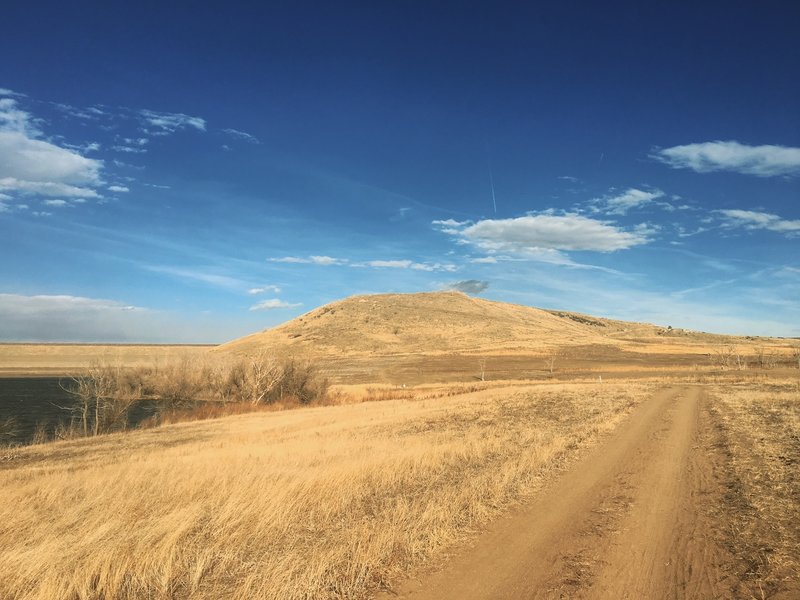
(8, 430)
(40, 435)
(765, 359)
(104, 395)
(728, 357)
(482, 367)
(550, 362)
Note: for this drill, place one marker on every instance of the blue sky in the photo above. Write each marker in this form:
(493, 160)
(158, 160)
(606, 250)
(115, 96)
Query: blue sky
(186, 173)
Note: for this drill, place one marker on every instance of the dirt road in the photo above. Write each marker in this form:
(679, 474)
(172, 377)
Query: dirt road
(629, 521)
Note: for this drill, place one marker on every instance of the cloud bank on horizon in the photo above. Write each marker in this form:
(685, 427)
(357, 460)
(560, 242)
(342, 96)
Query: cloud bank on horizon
(200, 212)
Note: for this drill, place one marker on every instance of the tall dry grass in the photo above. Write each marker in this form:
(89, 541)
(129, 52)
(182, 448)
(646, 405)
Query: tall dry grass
(327, 502)
(761, 432)
(104, 394)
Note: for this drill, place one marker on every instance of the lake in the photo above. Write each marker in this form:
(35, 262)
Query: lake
(33, 400)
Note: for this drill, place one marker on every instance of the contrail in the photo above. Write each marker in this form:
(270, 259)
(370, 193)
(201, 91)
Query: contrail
(491, 182)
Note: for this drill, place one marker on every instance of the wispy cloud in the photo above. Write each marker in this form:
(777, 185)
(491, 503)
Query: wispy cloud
(263, 289)
(762, 161)
(242, 135)
(118, 188)
(273, 304)
(201, 275)
(749, 219)
(325, 261)
(163, 123)
(620, 204)
(468, 286)
(406, 264)
(328, 261)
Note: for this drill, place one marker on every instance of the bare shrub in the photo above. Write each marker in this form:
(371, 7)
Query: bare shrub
(104, 396)
(550, 362)
(765, 359)
(482, 367)
(300, 381)
(729, 357)
(40, 435)
(8, 430)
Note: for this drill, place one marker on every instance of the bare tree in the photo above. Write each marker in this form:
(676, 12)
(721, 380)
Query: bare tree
(766, 359)
(482, 367)
(728, 357)
(550, 361)
(264, 375)
(103, 399)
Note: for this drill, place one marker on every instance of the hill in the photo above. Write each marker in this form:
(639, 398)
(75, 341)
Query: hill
(430, 323)
(439, 336)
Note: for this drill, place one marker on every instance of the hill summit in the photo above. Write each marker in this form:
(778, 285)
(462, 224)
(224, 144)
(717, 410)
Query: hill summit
(430, 323)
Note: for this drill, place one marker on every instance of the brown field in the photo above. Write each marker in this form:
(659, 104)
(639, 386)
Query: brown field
(20, 360)
(635, 464)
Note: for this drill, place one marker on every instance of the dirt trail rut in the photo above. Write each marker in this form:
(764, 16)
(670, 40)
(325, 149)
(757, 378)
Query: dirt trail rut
(629, 521)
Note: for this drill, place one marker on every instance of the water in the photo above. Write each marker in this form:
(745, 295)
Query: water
(31, 401)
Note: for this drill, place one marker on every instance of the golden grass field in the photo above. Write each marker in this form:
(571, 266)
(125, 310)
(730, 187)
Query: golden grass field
(66, 359)
(760, 428)
(411, 455)
(316, 503)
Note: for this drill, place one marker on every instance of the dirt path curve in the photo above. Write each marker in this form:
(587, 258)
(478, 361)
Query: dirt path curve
(628, 521)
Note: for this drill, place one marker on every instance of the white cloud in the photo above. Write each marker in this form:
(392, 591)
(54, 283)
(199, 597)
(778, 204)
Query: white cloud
(166, 123)
(267, 288)
(118, 188)
(763, 161)
(324, 261)
(30, 166)
(45, 188)
(12, 118)
(272, 304)
(631, 198)
(750, 219)
(389, 264)
(242, 135)
(129, 149)
(290, 259)
(406, 264)
(56, 203)
(545, 236)
(36, 160)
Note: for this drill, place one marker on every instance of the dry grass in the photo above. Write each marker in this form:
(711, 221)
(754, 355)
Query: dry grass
(67, 359)
(761, 432)
(326, 502)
